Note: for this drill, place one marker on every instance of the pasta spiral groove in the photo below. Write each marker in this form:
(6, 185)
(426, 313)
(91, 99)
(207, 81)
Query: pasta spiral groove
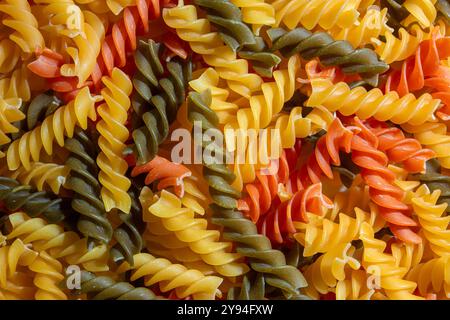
(113, 134)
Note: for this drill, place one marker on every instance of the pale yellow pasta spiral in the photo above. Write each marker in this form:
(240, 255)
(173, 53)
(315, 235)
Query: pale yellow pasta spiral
(372, 25)
(193, 231)
(259, 114)
(9, 55)
(324, 274)
(373, 103)
(407, 255)
(13, 257)
(16, 85)
(48, 276)
(321, 235)
(113, 134)
(274, 94)
(87, 48)
(18, 17)
(9, 113)
(170, 276)
(60, 15)
(432, 219)
(398, 49)
(42, 176)
(354, 286)
(383, 265)
(19, 286)
(256, 12)
(58, 243)
(197, 32)
(293, 125)
(194, 197)
(421, 11)
(432, 277)
(313, 13)
(434, 136)
(57, 126)
(104, 6)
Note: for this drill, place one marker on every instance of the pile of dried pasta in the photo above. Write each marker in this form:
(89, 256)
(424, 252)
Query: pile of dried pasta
(348, 199)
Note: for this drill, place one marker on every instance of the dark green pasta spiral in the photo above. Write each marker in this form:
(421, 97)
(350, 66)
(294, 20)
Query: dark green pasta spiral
(396, 13)
(443, 7)
(106, 288)
(255, 247)
(436, 181)
(252, 288)
(331, 52)
(128, 234)
(82, 180)
(156, 99)
(36, 111)
(16, 196)
(238, 36)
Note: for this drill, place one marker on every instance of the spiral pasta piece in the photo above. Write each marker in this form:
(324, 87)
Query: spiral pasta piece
(378, 263)
(92, 222)
(387, 196)
(42, 176)
(421, 11)
(9, 55)
(64, 16)
(399, 48)
(372, 25)
(9, 113)
(16, 85)
(326, 153)
(48, 275)
(436, 181)
(422, 68)
(13, 257)
(310, 14)
(257, 248)
(432, 277)
(354, 287)
(162, 95)
(16, 196)
(40, 107)
(128, 234)
(324, 274)
(169, 173)
(435, 226)
(113, 52)
(18, 287)
(330, 52)
(197, 32)
(366, 104)
(262, 192)
(194, 231)
(113, 134)
(249, 290)
(59, 244)
(18, 17)
(86, 49)
(434, 136)
(237, 35)
(183, 281)
(106, 288)
(57, 126)
(399, 149)
(256, 12)
(322, 235)
(278, 224)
